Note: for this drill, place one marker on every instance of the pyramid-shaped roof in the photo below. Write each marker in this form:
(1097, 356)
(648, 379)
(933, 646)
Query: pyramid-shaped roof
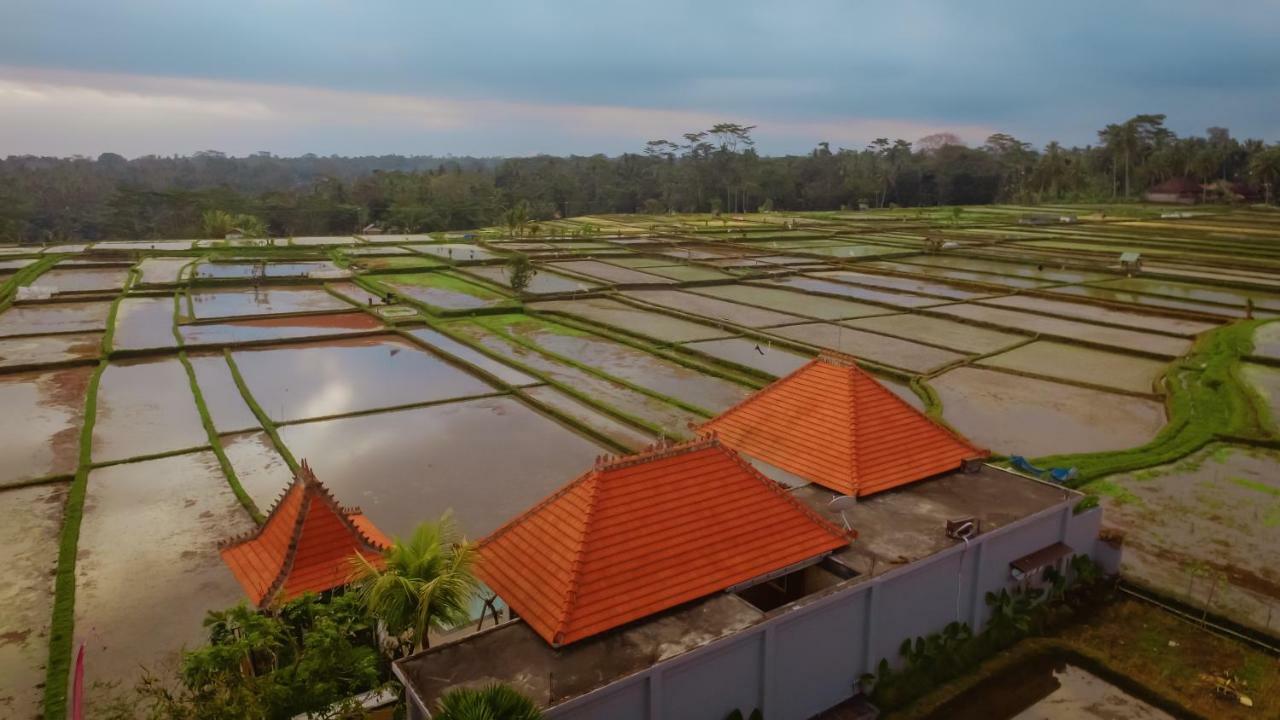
(305, 545)
(641, 534)
(833, 424)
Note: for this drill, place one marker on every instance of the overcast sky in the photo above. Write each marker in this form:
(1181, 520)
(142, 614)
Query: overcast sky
(481, 77)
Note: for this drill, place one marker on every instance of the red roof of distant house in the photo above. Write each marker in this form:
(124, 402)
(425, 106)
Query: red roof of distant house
(306, 544)
(1176, 186)
(831, 423)
(641, 534)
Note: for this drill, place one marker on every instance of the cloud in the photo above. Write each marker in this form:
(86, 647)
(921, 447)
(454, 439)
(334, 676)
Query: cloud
(1040, 71)
(64, 112)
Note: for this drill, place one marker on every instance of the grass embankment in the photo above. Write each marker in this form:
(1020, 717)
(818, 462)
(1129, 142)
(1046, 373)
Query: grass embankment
(62, 625)
(206, 419)
(9, 288)
(1207, 401)
(1150, 653)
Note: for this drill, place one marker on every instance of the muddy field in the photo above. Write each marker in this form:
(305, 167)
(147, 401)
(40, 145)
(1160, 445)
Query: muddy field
(1011, 414)
(1205, 530)
(40, 425)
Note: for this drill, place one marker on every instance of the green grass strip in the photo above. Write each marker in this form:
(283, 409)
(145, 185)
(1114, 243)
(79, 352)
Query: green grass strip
(1207, 400)
(268, 426)
(206, 419)
(25, 276)
(62, 625)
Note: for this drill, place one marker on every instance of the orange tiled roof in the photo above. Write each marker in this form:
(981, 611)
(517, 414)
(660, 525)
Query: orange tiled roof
(304, 546)
(640, 534)
(832, 424)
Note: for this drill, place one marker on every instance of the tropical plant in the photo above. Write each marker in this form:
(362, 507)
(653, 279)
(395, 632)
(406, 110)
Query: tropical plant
(424, 584)
(520, 272)
(492, 702)
(1011, 613)
(516, 219)
(308, 656)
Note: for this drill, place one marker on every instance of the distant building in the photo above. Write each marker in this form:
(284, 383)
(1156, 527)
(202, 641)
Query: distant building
(1181, 190)
(371, 229)
(1131, 262)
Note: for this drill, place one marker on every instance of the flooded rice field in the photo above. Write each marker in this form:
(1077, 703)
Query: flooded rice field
(1265, 381)
(1082, 365)
(43, 350)
(936, 331)
(222, 398)
(54, 317)
(263, 300)
(1011, 414)
(1204, 530)
(472, 357)
(445, 292)
(544, 283)
(879, 349)
(637, 367)
(716, 310)
(1098, 292)
(162, 271)
(795, 303)
(1070, 329)
(1046, 688)
(460, 252)
(610, 274)
(632, 319)
(754, 354)
(672, 421)
(29, 534)
(486, 459)
(88, 280)
(144, 322)
(857, 292)
(904, 284)
(1266, 341)
(687, 273)
(148, 567)
(1097, 313)
(40, 425)
(617, 431)
(259, 466)
(145, 408)
(312, 380)
(1197, 292)
(278, 328)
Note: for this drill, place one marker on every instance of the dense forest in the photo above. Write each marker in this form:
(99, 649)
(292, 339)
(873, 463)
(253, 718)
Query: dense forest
(45, 199)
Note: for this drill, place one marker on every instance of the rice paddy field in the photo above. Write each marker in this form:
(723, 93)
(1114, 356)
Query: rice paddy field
(158, 394)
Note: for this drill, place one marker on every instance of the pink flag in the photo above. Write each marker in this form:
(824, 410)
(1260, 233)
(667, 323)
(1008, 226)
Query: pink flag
(77, 687)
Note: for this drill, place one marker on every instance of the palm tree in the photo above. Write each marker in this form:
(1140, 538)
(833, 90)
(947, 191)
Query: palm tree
(492, 702)
(425, 583)
(1265, 165)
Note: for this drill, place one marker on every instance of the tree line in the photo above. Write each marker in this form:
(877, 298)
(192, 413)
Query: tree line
(45, 199)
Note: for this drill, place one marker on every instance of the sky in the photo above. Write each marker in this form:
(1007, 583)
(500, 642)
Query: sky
(482, 77)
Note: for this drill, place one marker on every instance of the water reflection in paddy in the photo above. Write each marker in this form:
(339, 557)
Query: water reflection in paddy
(263, 301)
(487, 459)
(40, 425)
(222, 398)
(148, 568)
(319, 379)
(144, 322)
(145, 408)
(281, 328)
(29, 534)
(49, 349)
(56, 317)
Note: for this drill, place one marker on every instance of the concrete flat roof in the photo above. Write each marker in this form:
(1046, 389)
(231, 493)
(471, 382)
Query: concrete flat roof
(909, 523)
(514, 654)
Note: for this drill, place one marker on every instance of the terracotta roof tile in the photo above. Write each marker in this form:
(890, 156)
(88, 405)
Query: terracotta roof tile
(641, 534)
(305, 545)
(832, 424)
